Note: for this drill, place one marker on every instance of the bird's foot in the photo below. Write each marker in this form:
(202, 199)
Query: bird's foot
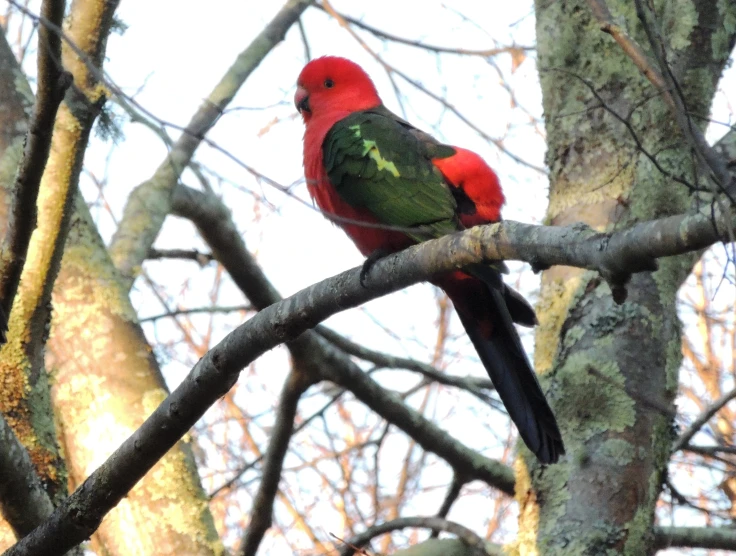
(370, 260)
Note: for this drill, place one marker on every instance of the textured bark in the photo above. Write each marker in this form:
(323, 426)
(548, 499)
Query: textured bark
(609, 369)
(95, 325)
(106, 382)
(52, 83)
(15, 110)
(25, 399)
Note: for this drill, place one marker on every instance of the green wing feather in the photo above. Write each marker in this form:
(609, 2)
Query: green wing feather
(378, 162)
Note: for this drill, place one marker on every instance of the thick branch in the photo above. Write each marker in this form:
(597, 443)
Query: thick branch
(78, 516)
(333, 365)
(52, 84)
(150, 202)
(695, 537)
(23, 502)
(87, 26)
(215, 224)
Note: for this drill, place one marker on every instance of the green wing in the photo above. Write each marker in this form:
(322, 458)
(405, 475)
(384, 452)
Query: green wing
(378, 162)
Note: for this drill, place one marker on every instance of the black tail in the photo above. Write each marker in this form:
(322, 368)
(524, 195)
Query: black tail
(485, 313)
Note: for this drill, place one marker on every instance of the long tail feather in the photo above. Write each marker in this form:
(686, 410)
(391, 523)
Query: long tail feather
(484, 313)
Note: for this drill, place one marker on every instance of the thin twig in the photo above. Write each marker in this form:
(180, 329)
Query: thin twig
(498, 143)
(197, 310)
(705, 416)
(189, 254)
(486, 53)
(250, 465)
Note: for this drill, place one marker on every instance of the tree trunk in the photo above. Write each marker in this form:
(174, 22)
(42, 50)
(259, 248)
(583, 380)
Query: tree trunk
(611, 370)
(105, 378)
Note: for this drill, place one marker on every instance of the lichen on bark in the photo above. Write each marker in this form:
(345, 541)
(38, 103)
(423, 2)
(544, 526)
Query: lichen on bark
(603, 362)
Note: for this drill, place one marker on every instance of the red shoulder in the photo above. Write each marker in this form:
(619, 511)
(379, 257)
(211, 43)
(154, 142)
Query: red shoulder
(475, 186)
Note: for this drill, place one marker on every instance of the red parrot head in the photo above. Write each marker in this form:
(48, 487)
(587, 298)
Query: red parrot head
(331, 83)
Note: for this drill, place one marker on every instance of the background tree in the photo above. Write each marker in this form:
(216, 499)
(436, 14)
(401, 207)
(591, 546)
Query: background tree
(378, 422)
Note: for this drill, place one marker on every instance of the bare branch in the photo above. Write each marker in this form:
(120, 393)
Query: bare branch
(712, 451)
(202, 259)
(695, 537)
(479, 545)
(260, 520)
(474, 385)
(487, 53)
(243, 469)
(79, 515)
(691, 132)
(334, 366)
(629, 46)
(452, 495)
(684, 440)
(665, 82)
(150, 202)
(215, 224)
(23, 502)
(53, 82)
(196, 310)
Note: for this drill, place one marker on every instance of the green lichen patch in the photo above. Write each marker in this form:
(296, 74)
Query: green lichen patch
(721, 37)
(595, 398)
(615, 451)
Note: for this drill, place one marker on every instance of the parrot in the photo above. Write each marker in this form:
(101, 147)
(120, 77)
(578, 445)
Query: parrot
(389, 185)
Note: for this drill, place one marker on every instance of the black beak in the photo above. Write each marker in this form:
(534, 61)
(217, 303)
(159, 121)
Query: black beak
(303, 104)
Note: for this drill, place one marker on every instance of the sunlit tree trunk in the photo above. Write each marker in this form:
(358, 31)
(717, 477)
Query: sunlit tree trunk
(106, 382)
(611, 370)
(105, 378)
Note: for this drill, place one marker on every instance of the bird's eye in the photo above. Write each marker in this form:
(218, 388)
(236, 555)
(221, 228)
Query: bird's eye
(329, 83)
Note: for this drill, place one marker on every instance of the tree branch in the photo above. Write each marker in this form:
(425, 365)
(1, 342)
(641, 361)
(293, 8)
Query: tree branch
(487, 53)
(695, 537)
(693, 135)
(333, 365)
(214, 222)
(260, 520)
(79, 515)
(150, 202)
(23, 502)
(210, 309)
(704, 417)
(202, 259)
(53, 82)
(479, 545)
(474, 385)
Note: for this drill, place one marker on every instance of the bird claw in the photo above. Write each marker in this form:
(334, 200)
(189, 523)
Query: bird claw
(370, 260)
